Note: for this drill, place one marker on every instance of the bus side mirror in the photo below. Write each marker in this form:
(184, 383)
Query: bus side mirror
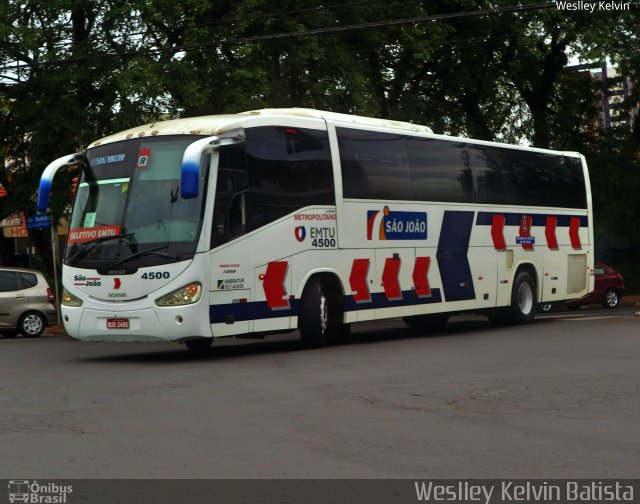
(46, 179)
(190, 174)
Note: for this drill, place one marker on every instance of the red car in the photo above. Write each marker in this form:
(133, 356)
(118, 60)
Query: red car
(608, 290)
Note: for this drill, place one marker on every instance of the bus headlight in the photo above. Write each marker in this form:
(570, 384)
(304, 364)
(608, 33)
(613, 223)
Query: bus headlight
(69, 299)
(188, 294)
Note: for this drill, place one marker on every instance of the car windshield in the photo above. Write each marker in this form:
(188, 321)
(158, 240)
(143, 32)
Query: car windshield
(128, 206)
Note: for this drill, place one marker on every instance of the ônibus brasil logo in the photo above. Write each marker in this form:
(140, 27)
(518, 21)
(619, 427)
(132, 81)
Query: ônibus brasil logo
(32, 492)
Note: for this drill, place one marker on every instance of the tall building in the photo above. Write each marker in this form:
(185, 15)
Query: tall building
(613, 98)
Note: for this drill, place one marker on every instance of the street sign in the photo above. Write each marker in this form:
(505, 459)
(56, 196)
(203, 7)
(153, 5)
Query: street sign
(13, 220)
(39, 221)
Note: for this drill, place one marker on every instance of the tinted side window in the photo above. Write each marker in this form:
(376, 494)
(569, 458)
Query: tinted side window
(230, 205)
(289, 168)
(571, 183)
(494, 183)
(440, 170)
(28, 280)
(374, 165)
(8, 281)
(278, 171)
(514, 177)
(389, 166)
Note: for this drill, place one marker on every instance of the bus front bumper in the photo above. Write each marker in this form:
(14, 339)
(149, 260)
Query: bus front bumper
(86, 324)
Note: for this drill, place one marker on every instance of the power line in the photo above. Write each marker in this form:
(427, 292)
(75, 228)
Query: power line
(287, 35)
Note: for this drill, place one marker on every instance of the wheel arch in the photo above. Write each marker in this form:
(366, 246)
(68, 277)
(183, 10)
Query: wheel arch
(530, 268)
(328, 274)
(331, 277)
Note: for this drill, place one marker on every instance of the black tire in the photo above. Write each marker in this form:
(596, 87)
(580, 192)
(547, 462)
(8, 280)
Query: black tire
(429, 323)
(321, 313)
(545, 307)
(199, 345)
(611, 299)
(523, 303)
(32, 324)
(523, 299)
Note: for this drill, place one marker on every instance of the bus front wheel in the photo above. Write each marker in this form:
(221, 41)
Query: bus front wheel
(321, 311)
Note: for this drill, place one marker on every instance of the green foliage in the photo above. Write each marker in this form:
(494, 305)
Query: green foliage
(94, 67)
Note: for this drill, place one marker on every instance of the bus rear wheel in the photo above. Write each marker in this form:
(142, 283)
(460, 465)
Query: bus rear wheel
(523, 305)
(523, 299)
(321, 313)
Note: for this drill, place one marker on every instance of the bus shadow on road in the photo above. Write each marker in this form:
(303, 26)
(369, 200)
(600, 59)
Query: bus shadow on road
(369, 333)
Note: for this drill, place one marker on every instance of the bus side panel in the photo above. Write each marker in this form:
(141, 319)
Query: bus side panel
(230, 284)
(354, 269)
(397, 296)
(485, 263)
(256, 278)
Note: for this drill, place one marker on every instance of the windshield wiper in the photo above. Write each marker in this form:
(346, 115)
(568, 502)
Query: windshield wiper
(154, 251)
(86, 247)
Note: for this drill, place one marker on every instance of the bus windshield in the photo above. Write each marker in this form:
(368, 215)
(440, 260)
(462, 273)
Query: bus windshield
(128, 210)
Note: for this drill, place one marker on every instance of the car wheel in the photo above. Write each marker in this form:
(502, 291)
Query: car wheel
(32, 324)
(545, 307)
(611, 298)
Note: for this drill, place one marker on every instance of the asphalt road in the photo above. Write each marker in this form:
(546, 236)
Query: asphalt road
(556, 399)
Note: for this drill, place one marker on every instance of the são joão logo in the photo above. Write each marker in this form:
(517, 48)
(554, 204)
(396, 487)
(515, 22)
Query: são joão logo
(396, 225)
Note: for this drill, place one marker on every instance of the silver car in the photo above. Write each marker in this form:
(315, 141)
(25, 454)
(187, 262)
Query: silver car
(26, 303)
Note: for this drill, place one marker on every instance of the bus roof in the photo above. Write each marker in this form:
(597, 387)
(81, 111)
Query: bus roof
(216, 124)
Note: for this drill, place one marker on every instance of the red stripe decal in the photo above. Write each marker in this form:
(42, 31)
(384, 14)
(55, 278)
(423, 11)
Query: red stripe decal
(497, 227)
(273, 285)
(390, 281)
(420, 279)
(550, 232)
(358, 280)
(574, 232)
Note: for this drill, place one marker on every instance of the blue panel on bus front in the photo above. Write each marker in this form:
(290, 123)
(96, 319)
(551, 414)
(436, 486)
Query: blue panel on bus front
(453, 246)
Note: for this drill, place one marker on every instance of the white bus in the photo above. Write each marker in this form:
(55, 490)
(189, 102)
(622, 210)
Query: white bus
(282, 219)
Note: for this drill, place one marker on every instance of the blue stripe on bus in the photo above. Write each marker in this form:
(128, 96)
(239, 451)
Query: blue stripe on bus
(453, 247)
(379, 300)
(513, 219)
(257, 310)
(223, 313)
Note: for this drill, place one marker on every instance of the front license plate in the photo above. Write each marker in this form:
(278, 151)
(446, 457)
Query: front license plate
(118, 323)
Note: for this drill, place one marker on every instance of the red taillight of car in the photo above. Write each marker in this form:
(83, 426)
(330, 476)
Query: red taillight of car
(52, 298)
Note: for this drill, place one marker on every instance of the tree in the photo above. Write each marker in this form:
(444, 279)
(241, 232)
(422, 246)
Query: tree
(75, 71)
